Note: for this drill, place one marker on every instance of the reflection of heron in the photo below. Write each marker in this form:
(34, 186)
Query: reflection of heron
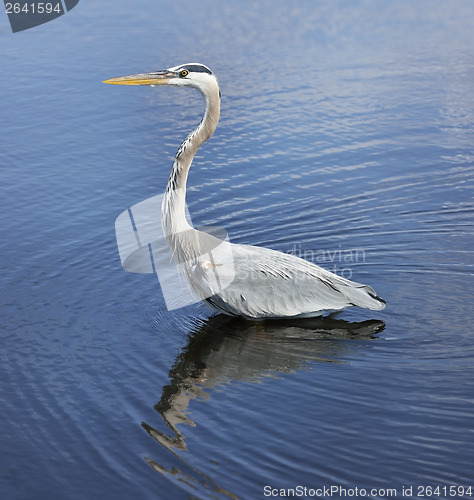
(222, 351)
(265, 283)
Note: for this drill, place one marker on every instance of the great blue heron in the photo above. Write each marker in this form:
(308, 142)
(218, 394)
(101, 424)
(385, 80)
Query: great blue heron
(239, 280)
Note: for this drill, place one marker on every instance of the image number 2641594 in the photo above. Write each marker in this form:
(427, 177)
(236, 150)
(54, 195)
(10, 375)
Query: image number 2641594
(26, 14)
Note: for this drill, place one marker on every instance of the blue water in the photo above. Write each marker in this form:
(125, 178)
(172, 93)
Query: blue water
(346, 136)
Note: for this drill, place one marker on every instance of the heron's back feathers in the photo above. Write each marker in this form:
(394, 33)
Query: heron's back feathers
(271, 284)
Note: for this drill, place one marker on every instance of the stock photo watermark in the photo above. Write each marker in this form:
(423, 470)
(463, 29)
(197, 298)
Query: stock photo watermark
(26, 14)
(337, 491)
(144, 248)
(338, 260)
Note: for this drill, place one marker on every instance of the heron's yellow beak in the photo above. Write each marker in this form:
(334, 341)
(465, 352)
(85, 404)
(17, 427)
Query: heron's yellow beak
(154, 78)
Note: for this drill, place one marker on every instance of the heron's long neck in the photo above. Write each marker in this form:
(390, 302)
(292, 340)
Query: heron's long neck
(173, 218)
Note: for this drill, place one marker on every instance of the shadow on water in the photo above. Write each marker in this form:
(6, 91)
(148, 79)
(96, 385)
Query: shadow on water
(223, 349)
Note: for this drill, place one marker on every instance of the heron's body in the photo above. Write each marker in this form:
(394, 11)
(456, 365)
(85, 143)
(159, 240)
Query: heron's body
(259, 283)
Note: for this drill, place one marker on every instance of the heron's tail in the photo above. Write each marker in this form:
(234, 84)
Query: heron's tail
(364, 296)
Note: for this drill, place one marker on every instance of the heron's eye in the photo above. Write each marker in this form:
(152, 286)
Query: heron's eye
(183, 73)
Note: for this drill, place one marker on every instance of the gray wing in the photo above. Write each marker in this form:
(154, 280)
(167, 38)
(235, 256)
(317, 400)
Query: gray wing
(263, 283)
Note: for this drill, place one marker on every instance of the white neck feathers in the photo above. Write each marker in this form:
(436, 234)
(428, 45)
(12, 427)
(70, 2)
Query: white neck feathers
(173, 218)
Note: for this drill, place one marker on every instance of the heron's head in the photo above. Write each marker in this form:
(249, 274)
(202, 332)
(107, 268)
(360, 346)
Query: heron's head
(194, 75)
